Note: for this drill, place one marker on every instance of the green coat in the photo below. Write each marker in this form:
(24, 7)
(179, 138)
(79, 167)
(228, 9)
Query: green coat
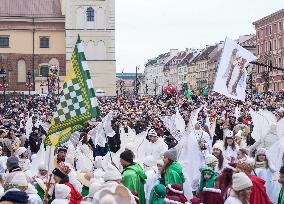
(281, 196)
(174, 175)
(134, 178)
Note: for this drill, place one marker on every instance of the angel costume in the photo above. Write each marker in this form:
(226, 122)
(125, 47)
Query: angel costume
(272, 186)
(156, 149)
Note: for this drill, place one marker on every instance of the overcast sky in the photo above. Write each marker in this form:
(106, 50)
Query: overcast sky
(147, 28)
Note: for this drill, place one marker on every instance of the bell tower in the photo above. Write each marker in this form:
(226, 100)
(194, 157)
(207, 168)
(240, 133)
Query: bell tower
(94, 21)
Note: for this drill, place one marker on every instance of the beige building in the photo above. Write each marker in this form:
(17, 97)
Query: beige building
(31, 39)
(198, 68)
(94, 20)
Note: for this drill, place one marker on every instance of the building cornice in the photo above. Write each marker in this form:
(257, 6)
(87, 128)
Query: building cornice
(268, 19)
(33, 19)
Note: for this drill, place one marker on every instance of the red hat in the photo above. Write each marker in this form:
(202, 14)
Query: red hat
(175, 189)
(175, 194)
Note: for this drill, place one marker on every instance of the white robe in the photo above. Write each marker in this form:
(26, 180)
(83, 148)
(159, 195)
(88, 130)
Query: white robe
(152, 180)
(272, 187)
(190, 160)
(229, 152)
(156, 149)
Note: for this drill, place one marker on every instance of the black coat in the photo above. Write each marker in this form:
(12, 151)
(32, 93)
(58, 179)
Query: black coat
(34, 142)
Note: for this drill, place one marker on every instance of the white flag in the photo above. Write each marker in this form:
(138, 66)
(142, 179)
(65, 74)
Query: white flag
(232, 74)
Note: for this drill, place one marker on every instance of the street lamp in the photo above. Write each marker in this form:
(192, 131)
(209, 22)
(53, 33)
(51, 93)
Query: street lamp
(155, 86)
(29, 85)
(3, 84)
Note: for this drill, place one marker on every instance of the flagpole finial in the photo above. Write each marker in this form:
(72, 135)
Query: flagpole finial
(78, 39)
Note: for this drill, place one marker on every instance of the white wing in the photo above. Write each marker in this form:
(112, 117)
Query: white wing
(275, 153)
(193, 118)
(261, 125)
(269, 116)
(74, 138)
(179, 122)
(29, 126)
(168, 122)
(39, 159)
(107, 124)
(280, 128)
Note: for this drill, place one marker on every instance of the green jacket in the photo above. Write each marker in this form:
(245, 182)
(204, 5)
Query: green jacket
(174, 175)
(281, 196)
(211, 182)
(134, 178)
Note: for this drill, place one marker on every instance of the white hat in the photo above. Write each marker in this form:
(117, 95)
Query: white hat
(219, 145)
(95, 187)
(229, 134)
(20, 179)
(21, 150)
(241, 181)
(42, 166)
(62, 191)
(108, 199)
(281, 110)
(260, 151)
(85, 178)
(149, 161)
(209, 159)
(111, 173)
(152, 133)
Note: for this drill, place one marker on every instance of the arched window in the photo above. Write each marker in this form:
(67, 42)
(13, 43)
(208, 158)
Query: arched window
(43, 70)
(90, 14)
(54, 62)
(100, 51)
(21, 71)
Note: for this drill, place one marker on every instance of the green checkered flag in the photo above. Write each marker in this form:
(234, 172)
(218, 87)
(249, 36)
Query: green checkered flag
(77, 100)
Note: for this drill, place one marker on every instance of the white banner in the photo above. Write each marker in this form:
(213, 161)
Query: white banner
(232, 74)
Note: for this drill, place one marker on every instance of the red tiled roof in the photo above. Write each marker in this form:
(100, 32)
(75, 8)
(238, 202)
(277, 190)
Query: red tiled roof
(250, 42)
(30, 8)
(205, 54)
(216, 56)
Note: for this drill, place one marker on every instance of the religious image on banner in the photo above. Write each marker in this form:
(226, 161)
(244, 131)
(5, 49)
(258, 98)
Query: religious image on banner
(232, 74)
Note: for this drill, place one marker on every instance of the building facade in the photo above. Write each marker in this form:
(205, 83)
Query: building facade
(125, 83)
(155, 77)
(31, 39)
(94, 21)
(270, 50)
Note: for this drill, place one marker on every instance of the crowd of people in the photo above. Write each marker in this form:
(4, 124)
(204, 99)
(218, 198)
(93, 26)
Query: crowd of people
(162, 149)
